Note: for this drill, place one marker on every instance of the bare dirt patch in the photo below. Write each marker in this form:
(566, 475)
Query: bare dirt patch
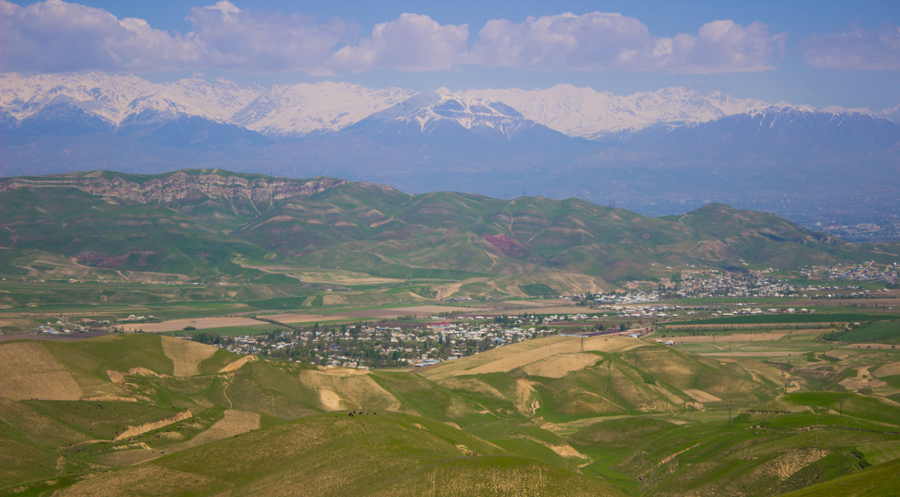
(737, 337)
(28, 371)
(472, 385)
(560, 365)
(333, 300)
(330, 400)
(563, 449)
(198, 323)
(530, 309)
(342, 390)
(109, 398)
(839, 354)
(509, 357)
(701, 396)
(118, 377)
(133, 431)
(234, 366)
(302, 318)
(526, 402)
(566, 450)
(186, 355)
(770, 353)
(863, 379)
(446, 291)
(420, 312)
(881, 346)
(342, 371)
(233, 423)
(887, 370)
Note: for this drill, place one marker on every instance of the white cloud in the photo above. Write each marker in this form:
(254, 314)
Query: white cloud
(590, 42)
(598, 41)
(55, 36)
(859, 48)
(256, 41)
(411, 43)
(720, 46)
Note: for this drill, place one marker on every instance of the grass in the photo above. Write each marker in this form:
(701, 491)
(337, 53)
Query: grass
(878, 331)
(231, 331)
(879, 480)
(99, 419)
(427, 430)
(402, 455)
(829, 317)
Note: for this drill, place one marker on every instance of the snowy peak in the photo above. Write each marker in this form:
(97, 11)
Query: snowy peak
(303, 109)
(429, 110)
(119, 100)
(586, 113)
(891, 114)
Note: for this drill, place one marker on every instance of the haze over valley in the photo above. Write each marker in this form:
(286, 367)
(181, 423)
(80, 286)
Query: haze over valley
(659, 153)
(465, 248)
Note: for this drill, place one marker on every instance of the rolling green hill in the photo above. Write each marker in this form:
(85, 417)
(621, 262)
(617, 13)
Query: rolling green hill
(198, 223)
(151, 415)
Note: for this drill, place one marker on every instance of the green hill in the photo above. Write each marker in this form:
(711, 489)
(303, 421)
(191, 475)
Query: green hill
(881, 480)
(148, 415)
(199, 223)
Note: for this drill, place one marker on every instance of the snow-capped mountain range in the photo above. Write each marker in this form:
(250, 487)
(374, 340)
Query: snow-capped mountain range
(282, 110)
(428, 110)
(303, 109)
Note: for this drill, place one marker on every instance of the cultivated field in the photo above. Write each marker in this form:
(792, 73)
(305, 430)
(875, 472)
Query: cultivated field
(198, 323)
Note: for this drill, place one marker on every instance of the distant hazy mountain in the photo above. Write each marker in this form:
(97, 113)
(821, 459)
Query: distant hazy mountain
(891, 114)
(276, 111)
(296, 110)
(586, 113)
(193, 222)
(561, 141)
(427, 111)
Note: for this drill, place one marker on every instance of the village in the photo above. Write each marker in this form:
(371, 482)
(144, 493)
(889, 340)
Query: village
(363, 345)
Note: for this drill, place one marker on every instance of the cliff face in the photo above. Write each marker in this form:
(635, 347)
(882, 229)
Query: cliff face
(182, 185)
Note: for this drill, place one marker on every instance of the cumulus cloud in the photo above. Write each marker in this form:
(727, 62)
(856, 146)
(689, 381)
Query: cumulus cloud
(859, 48)
(247, 40)
(55, 36)
(598, 41)
(720, 46)
(590, 42)
(411, 43)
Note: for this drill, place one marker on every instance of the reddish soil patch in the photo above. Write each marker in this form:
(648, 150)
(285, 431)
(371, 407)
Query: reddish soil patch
(102, 260)
(506, 245)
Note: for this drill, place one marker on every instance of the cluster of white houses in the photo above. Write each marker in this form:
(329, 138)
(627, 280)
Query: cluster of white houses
(415, 346)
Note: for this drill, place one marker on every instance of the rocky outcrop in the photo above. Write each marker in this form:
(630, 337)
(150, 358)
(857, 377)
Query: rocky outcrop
(260, 190)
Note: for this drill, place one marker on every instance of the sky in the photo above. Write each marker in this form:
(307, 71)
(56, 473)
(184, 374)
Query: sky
(802, 52)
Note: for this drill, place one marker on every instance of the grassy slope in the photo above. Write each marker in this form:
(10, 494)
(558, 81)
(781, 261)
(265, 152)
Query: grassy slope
(334, 454)
(426, 432)
(381, 231)
(115, 234)
(882, 480)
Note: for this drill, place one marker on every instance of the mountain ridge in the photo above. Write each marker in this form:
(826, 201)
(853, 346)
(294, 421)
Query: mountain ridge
(371, 228)
(301, 109)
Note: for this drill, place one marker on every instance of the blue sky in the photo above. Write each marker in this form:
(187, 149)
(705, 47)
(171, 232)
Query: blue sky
(819, 53)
